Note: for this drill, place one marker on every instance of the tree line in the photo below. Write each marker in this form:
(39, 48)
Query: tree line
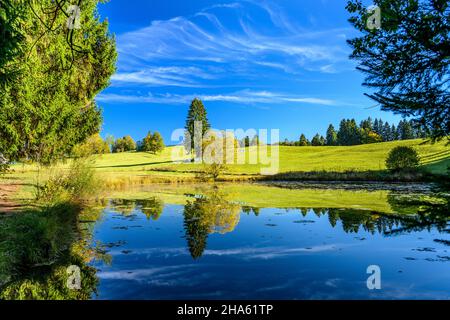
(153, 143)
(368, 131)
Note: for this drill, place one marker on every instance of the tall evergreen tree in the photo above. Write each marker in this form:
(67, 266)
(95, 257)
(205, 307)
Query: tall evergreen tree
(349, 133)
(196, 114)
(303, 142)
(316, 141)
(332, 139)
(387, 134)
(394, 132)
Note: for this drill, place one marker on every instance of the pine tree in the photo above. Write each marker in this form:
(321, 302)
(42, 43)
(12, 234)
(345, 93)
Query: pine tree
(349, 133)
(196, 114)
(303, 142)
(316, 141)
(387, 134)
(331, 136)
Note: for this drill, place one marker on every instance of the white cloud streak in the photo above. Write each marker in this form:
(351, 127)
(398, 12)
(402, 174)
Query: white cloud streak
(225, 35)
(241, 97)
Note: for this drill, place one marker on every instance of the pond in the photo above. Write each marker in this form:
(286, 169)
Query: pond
(247, 242)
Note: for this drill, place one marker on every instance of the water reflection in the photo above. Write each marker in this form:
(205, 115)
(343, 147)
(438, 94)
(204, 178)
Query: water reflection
(36, 248)
(206, 214)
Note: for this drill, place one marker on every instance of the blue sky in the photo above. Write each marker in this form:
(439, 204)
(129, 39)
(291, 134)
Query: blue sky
(255, 64)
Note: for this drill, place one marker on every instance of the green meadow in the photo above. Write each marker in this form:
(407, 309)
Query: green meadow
(123, 170)
(435, 158)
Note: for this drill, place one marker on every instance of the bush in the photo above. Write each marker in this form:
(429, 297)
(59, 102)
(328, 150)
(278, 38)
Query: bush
(77, 184)
(211, 172)
(402, 158)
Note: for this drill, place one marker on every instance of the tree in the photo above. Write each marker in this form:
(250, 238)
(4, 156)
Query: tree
(349, 133)
(196, 114)
(401, 158)
(93, 145)
(394, 133)
(153, 143)
(406, 60)
(317, 141)
(255, 141)
(368, 136)
(247, 141)
(331, 136)
(387, 134)
(367, 124)
(48, 106)
(405, 130)
(303, 142)
(124, 144)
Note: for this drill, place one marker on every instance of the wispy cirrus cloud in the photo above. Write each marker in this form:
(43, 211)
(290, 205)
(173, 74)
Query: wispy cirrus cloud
(241, 97)
(226, 36)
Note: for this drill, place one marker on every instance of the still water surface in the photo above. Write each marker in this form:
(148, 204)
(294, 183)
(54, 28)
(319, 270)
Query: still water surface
(211, 248)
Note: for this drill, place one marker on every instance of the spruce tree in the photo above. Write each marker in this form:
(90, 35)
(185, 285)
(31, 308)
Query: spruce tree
(331, 139)
(196, 114)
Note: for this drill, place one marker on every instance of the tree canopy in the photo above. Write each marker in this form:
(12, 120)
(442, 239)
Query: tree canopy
(196, 113)
(407, 59)
(153, 143)
(50, 75)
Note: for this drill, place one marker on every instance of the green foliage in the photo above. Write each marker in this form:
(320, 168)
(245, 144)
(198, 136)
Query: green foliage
(349, 133)
(152, 208)
(78, 183)
(196, 113)
(368, 136)
(331, 139)
(413, 80)
(318, 140)
(93, 145)
(210, 213)
(153, 143)
(124, 144)
(34, 238)
(303, 142)
(35, 251)
(211, 172)
(402, 157)
(49, 106)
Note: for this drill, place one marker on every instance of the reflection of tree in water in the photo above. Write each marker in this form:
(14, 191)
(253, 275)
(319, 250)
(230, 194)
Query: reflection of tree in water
(123, 206)
(209, 213)
(36, 249)
(429, 213)
(152, 207)
(249, 210)
(413, 214)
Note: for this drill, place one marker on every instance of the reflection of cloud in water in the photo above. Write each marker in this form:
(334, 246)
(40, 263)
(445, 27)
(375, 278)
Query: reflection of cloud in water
(245, 253)
(159, 275)
(270, 252)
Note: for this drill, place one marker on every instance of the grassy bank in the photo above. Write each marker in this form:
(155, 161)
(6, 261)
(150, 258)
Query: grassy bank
(353, 163)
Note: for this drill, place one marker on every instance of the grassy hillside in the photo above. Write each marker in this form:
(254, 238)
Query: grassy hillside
(435, 157)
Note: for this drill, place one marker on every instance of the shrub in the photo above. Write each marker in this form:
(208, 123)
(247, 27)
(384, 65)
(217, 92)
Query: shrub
(77, 184)
(211, 172)
(401, 158)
